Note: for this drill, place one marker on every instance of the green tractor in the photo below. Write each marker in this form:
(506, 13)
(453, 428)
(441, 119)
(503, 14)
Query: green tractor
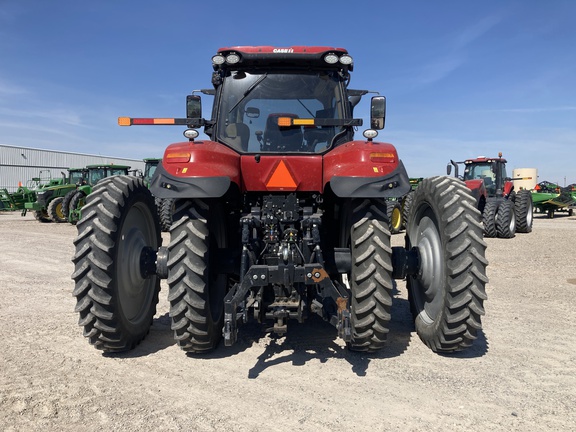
(48, 205)
(150, 169)
(75, 200)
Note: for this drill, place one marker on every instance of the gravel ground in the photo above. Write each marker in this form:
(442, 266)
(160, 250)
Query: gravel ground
(519, 375)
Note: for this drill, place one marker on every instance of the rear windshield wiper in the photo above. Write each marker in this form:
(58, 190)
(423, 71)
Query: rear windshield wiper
(248, 91)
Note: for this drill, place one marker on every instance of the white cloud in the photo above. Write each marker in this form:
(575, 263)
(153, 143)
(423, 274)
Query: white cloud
(8, 88)
(476, 31)
(51, 116)
(438, 70)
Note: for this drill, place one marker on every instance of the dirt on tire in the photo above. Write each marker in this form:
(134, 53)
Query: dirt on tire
(520, 374)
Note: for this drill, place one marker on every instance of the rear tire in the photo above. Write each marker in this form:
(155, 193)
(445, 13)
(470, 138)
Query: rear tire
(448, 292)
(370, 279)
(197, 290)
(119, 228)
(506, 220)
(489, 219)
(55, 210)
(66, 203)
(523, 208)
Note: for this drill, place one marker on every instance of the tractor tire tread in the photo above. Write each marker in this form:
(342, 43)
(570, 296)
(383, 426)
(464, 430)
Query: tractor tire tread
(464, 264)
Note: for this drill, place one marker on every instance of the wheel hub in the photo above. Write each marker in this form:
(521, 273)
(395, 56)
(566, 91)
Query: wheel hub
(430, 271)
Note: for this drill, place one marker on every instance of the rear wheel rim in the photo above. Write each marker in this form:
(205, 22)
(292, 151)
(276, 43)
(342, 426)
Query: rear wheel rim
(135, 292)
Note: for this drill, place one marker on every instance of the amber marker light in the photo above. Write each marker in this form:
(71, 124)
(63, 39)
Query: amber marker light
(127, 121)
(284, 121)
(177, 157)
(303, 122)
(164, 121)
(289, 121)
(382, 157)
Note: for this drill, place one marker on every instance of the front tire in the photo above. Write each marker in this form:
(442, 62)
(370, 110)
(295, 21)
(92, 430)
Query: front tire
(167, 208)
(42, 216)
(55, 210)
(370, 278)
(406, 204)
(115, 297)
(197, 289)
(394, 212)
(448, 292)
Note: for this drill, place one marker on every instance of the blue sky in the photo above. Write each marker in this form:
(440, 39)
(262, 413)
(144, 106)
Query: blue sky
(462, 78)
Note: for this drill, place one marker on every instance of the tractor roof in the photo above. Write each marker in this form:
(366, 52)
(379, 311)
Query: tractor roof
(107, 166)
(484, 159)
(250, 57)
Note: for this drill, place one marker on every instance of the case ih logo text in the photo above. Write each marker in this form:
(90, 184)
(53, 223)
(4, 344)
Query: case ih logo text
(283, 50)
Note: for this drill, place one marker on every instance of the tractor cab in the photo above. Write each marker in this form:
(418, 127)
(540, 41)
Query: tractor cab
(99, 172)
(286, 106)
(492, 171)
(77, 176)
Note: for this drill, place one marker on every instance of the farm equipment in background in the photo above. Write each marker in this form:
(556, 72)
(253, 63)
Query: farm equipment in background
(14, 201)
(150, 165)
(550, 198)
(76, 199)
(279, 214)
(504, 210)
(49, 203)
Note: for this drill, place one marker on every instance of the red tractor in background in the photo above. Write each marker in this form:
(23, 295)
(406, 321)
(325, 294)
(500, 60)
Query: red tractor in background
(504, 210)
(279, 214)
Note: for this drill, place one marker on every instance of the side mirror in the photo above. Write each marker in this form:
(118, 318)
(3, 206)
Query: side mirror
(252, 112)
(448, 169)
(193, 107)
(378, 112)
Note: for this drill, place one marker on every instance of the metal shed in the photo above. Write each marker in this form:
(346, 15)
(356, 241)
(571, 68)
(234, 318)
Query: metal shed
(20, 164)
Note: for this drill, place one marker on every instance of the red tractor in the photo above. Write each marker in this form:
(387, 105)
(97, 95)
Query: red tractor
(504, 210)
(279, 214)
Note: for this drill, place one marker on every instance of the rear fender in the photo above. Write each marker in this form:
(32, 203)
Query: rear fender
(365, 169)
(198, 169)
